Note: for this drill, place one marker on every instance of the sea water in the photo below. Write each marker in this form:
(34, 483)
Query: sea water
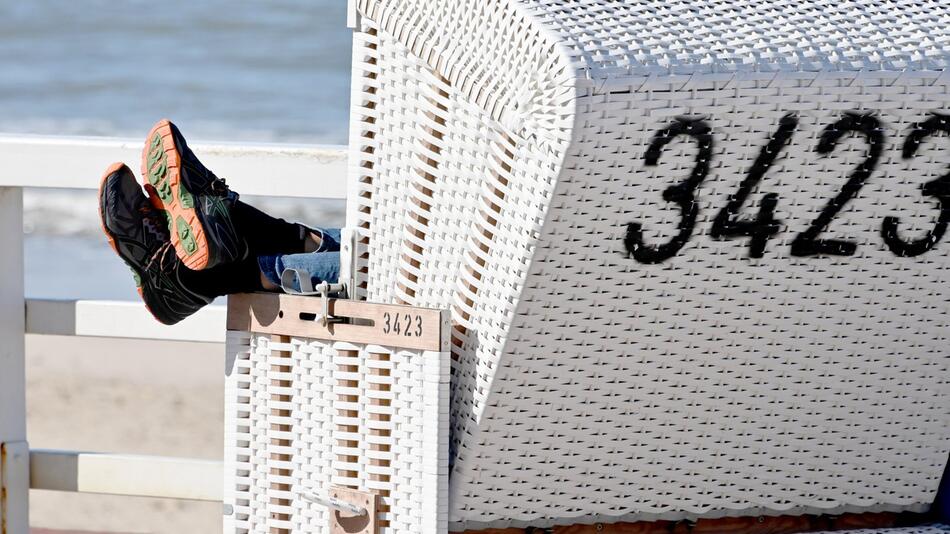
(273, 71)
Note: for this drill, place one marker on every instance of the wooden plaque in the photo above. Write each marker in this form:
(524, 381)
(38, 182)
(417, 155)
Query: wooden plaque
(390, 325)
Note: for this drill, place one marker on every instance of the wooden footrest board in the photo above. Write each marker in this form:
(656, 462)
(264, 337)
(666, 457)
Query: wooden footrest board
(854, 523)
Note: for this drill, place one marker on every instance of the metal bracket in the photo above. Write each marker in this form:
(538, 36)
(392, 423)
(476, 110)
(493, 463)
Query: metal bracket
(349, 250)
(348, 522)
(346, 289)
(323, 289)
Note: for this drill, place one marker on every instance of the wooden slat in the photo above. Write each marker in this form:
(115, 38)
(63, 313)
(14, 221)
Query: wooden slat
(281, 443)
(126, 474)
(380, 410)
(422, 207)
(379, 324)
(509, 147)
(345, 386)
(734, 525)
(36, 161)
(119, 319)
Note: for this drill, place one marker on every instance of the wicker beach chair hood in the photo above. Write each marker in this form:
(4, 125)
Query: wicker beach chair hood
(695, 251)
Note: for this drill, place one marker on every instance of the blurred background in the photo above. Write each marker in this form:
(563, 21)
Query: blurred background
(275, 70)
(223, 70)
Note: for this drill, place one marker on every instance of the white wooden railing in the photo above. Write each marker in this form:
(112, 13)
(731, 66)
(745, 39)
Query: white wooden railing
(72, 162)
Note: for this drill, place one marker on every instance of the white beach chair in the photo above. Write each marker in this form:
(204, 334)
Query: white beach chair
(694, 253)
(668, 301)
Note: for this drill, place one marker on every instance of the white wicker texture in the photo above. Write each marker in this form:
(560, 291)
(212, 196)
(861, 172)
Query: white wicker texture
(304, 415)
(618, 39)
(589, 385)
(805, 383)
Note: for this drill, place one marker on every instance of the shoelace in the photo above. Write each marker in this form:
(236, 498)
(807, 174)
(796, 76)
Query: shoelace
(218, 187)
(159, 255)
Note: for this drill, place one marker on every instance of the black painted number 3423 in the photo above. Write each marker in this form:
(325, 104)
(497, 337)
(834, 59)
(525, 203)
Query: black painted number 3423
(402, 324)
(763, 225)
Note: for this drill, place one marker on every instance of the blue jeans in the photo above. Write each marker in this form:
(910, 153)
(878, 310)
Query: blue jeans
(323, 265)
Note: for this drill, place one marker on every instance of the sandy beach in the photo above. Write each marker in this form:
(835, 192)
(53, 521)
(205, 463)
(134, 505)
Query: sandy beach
(129, 396)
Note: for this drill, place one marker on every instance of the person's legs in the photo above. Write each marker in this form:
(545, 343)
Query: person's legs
(192, 240)
(239, 277)
(207, 222)
(267, 235)
(329, 239)
(321, 266)
(137, 232)
(275, 245)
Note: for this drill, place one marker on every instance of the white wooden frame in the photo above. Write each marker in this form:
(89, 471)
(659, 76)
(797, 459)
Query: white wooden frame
(126, 474)
(37, 161)
(14, 460)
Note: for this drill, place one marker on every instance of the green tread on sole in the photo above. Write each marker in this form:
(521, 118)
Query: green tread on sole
(185, 236)
(164, 191)
(155, 149)
(154, 157)
(158, 170)
(184, 197)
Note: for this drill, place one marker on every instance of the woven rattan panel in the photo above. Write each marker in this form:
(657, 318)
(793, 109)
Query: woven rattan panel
(615, 359)
(399, 120)
(713, 381)
(397, 112)
(621, 39)
(303, 415)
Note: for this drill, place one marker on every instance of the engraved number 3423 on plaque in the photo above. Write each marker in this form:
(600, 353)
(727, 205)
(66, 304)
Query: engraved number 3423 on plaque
(404, 324)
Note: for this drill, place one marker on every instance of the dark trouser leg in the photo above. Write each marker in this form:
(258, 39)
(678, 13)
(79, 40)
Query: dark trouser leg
(269, 239)
(942, 505)
(238, 277)
(266, 234)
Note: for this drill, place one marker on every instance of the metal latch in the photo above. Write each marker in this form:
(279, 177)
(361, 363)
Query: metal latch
(351, 511)
(324, 289)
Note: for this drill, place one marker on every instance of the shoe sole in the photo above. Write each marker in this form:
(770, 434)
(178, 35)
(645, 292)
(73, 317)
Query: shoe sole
(161, 171)
(114, 168)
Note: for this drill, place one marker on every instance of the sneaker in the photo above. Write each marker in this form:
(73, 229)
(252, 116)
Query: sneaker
(198, 203)
(138, 233)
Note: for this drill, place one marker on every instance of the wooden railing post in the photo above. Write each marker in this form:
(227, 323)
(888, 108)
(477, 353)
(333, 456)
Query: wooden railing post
(14, 451)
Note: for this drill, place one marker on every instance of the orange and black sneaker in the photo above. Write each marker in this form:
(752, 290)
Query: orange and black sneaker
(138, 233)
(197, 202)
